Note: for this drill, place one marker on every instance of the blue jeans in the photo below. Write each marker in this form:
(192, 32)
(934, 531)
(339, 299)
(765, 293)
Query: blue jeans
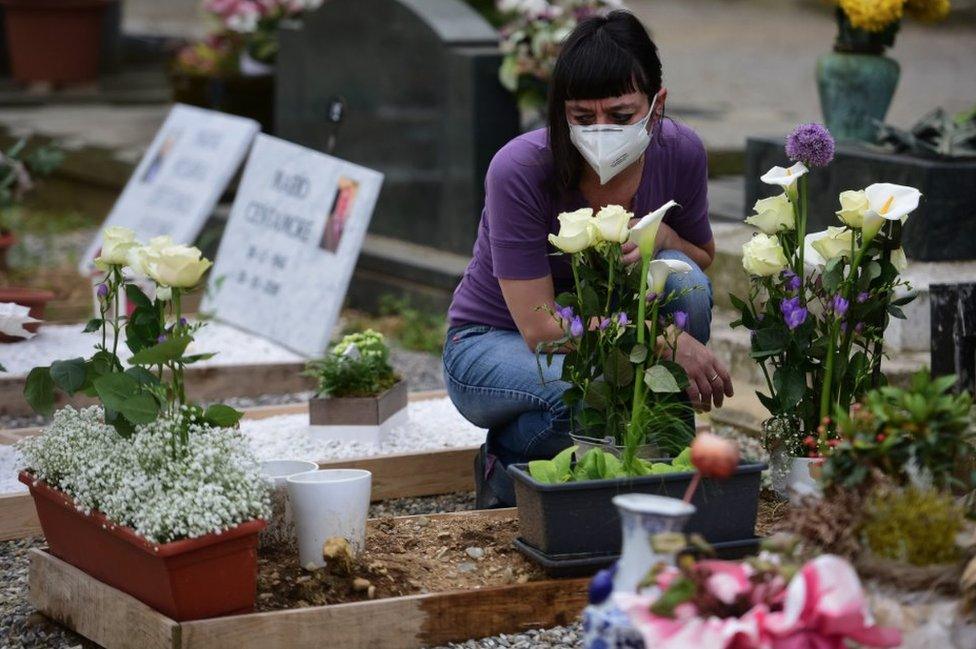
(495, 382)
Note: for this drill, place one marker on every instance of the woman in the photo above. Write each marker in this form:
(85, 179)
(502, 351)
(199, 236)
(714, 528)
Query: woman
(607, 144)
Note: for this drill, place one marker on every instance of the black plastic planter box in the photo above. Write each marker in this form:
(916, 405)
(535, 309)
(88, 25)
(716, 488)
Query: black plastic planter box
(579, 517)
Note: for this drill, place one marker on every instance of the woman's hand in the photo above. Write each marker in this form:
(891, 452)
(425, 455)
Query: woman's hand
(665, 241)
(709, 380)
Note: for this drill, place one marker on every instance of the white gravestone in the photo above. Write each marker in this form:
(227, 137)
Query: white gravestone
(291, 244)
(180, 178)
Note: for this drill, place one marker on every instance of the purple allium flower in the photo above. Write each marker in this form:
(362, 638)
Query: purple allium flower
(796, 317)
(604, 323)
(787, 307)
(680, 320)
(862, 297)
(840, 306)
(565, 312)
(101, 290)
(810, 144)
(622, 319)
(791, 280)
(576, 328)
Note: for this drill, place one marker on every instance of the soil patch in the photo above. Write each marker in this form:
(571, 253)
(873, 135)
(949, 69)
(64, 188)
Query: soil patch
(403, 556)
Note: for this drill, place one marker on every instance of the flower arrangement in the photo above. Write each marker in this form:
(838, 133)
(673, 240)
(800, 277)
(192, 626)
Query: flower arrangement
(767, 601)
(148, 457)
(869, 26)
(623, 384)
(357, 366)
(819, 302)
(531, 38)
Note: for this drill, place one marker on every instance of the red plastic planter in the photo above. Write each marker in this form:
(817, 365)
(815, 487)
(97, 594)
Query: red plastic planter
(185, 580)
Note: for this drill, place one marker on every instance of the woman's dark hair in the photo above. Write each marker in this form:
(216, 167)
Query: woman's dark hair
(605, 56)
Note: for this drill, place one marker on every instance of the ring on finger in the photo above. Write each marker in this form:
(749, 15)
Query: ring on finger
(712, 380)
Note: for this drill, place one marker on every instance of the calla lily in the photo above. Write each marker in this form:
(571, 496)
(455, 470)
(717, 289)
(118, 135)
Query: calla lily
(821, 247)
(784, 177)
(773, 214)
(574, 238)
(13, 317)
(660, 269)
(887, 201)
(612, 223)
(644, 232)
(853, 205)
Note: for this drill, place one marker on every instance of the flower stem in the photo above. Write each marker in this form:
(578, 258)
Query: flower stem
(801, 232)
(632, 437)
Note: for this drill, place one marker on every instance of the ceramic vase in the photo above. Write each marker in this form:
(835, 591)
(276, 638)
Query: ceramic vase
(642, 516)
(855, 93)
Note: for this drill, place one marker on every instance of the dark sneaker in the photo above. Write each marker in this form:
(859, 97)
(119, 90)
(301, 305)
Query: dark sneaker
(493, 488)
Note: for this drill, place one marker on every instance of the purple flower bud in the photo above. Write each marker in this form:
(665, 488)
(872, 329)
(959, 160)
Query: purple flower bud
(791, 280)
(862, 297)
(810, 144)
(796, 317)
(566, 312)
(101, 290)
(680, 320)
(651, 297)
(843, 327)
(604, 323)
(787, 307)
(622, 319)
(576, 328)
(161, 338)
(859, 327)
(840, 306)
(183, 322)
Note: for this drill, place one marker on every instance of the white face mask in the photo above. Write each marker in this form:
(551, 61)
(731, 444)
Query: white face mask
(609, 148)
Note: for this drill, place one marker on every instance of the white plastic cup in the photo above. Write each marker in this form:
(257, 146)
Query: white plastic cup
(329, 503)
(281, 526)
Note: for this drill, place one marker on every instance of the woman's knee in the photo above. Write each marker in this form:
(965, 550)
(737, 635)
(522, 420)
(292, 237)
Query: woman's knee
(695, 297)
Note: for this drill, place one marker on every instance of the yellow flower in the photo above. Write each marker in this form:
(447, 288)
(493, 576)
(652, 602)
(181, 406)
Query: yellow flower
(928, 11)
(872, 15)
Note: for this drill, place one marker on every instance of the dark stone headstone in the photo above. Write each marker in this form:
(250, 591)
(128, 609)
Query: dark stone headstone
(422, 104)
(953, 315)
(942, 229)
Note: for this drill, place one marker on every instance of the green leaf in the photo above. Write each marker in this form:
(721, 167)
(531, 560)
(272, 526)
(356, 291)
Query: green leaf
(114, 389)
(543, 471)
(222, 416)
(833, 274)
(770, 340)
(617, 369)
(597, 395)
(591, 302)
(93, 325)
(683, 460)
(122, 425)
(140, 409)
(563, 462)
(193, 358)
(659, 379)
(169, 350)
(790, 384)
(69, 375)
(39, 390)
(135, 295)
(142, 375)
(896, 312)
(638, 354)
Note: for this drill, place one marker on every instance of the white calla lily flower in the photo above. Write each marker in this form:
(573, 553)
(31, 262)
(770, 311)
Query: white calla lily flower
(660, 269)
(13, 317)
(644, 232)
(888, 202)
(784, 177)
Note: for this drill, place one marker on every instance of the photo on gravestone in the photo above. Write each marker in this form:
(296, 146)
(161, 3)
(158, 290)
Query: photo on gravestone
(292, 240)
(180, 178)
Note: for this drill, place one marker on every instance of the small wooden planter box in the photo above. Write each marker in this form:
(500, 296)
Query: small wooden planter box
(361, 419)
(115, 620)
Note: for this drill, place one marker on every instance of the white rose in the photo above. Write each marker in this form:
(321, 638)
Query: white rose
(832, 242)
(116, 244)
(574, 237)
(853, 205)
(176, 266)
(773, 214)
(613, 223)
(138, 256)
(763, 256)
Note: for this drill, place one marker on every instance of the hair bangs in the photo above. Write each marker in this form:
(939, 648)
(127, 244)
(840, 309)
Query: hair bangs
(598, 68)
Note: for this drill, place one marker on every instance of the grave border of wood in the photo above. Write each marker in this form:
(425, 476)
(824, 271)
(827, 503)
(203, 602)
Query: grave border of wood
(115, 620)
(400, 475)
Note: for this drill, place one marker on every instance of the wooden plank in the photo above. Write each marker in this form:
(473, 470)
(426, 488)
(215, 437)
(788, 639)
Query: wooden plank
(398, 623)
(101, 613)
(264, 412)
(18, 518)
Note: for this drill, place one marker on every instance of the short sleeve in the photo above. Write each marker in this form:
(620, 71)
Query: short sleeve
(692, 223)
(516, 210)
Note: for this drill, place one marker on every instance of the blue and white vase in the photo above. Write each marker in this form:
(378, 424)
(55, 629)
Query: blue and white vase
(642, 516)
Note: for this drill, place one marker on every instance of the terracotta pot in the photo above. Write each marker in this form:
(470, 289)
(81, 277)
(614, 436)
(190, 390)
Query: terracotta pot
(54, 40)
(191, 579)
(36, 300)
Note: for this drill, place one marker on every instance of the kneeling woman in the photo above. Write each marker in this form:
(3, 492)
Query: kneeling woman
(607, 143)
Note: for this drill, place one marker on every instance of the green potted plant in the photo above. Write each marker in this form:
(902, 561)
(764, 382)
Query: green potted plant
(818, 304)
(625, 390)
(147, 492)
(856, 81)
(55, 41)
(18, 168)
(358, 395)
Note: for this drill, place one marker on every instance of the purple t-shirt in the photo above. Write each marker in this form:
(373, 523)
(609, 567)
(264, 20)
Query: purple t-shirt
(521, 206)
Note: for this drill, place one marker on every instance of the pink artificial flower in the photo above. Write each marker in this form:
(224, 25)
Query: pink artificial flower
(824, 605)
(682, 632)
(727, 580)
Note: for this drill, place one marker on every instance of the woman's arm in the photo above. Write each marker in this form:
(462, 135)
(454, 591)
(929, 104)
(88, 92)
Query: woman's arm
(525, 299)
(668, 239)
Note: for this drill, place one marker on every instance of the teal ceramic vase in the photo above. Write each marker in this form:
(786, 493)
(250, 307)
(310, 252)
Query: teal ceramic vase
(855, 93)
